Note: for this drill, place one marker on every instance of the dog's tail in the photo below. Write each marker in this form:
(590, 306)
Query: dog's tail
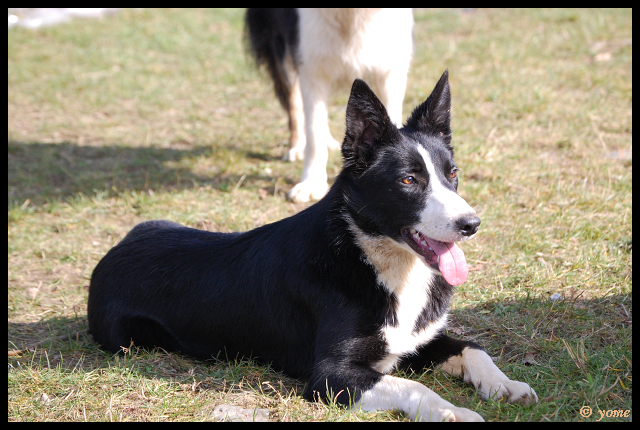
(270, 35)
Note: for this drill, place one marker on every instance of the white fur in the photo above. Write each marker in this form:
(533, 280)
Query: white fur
(414, 399)
(404, 274)
(443, 207)
(335, 47)
(476, 366)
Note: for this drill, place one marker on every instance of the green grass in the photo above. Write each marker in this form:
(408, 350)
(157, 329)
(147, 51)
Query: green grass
(152, 114)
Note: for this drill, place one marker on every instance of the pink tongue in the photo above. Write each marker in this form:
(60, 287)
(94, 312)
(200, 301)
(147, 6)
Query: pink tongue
(451, 262)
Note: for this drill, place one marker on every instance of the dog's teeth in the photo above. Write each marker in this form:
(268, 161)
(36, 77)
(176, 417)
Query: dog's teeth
(420, 239)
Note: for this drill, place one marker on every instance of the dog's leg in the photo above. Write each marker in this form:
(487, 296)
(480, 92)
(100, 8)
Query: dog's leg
(469, 361)
(391, 87)
(297, 139)
(475, 366)
(361, 387)
(315, 96)
(414, 399)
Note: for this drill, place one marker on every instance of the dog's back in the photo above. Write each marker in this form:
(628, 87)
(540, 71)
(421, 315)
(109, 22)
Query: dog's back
(225, 294)
(338, 294)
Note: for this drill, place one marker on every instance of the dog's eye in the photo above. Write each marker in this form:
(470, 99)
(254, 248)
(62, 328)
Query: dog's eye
(453, 173)
(408, 180)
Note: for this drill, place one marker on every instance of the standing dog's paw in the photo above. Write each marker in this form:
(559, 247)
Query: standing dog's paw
(308, 190)
(294, 154)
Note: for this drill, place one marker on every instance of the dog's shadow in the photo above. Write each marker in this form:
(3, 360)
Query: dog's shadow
(503, 328)
(41, 172)
(66, 345)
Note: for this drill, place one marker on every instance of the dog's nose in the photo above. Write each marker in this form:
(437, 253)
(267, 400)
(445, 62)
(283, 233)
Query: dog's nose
(468, 224)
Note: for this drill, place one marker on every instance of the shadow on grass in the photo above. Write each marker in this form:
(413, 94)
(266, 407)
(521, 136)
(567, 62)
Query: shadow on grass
(596, 331)
(65, 344)
(46, 171)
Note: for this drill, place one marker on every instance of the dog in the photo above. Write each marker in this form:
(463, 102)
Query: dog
(338, 295)
(310, 53)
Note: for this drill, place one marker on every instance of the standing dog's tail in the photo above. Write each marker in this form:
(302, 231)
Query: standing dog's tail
(270, 36)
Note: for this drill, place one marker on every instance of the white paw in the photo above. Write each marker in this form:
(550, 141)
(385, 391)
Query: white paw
(512, 391)
(294, 154)
(308, 190)
(464, 415)
(475, 366)
(449, 414)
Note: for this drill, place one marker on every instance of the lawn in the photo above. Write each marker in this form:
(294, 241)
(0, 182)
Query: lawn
(159, 114)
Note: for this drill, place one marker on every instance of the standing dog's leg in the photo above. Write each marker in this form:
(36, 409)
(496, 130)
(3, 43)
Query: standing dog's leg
(297, 138)
(315, 96)
(391, 87)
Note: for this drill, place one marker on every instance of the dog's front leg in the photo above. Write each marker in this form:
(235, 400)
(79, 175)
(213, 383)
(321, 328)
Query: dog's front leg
(475, 366)
(418, 402)
(366, 389)
(358, 386)
(315, 96)
(391, 88)
(470, 362)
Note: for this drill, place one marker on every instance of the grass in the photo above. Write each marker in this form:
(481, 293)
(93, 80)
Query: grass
(152, 114)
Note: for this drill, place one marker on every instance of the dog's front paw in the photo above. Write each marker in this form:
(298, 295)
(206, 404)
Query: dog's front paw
(475, 366)
(464, 415)
(307, 190)
(512, 391)
(449, 414)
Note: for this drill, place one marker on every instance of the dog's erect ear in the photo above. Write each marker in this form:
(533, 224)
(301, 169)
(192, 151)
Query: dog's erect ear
(433, 117)
(368, 124)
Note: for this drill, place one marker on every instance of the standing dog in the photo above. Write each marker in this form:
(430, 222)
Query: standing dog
(339, 294)
(310, 53)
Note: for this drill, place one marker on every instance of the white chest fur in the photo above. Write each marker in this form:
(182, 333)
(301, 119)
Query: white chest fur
(401, 339)
(403, 273)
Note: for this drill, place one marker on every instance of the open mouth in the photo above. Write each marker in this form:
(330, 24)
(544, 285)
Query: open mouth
(444, 256)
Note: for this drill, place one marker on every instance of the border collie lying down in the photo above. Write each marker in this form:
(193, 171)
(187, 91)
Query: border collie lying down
(339, 294)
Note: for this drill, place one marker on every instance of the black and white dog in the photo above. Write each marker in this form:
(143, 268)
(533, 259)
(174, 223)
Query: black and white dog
(312, 52)
(339, 294)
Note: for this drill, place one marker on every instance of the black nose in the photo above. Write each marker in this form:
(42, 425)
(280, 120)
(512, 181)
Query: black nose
(468, 224)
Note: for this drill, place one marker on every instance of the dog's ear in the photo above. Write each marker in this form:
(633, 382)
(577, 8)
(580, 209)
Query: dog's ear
(368, 125)
(433, 117)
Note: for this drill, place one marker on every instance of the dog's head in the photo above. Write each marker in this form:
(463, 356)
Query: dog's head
(402, 183)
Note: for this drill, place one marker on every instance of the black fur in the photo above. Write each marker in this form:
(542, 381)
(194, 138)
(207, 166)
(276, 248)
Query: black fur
(298, 293)
(435, 352)
(433, 118)
(268, 34)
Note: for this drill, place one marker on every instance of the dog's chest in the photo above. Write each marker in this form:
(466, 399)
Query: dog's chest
(410, 281)
(403, 335)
